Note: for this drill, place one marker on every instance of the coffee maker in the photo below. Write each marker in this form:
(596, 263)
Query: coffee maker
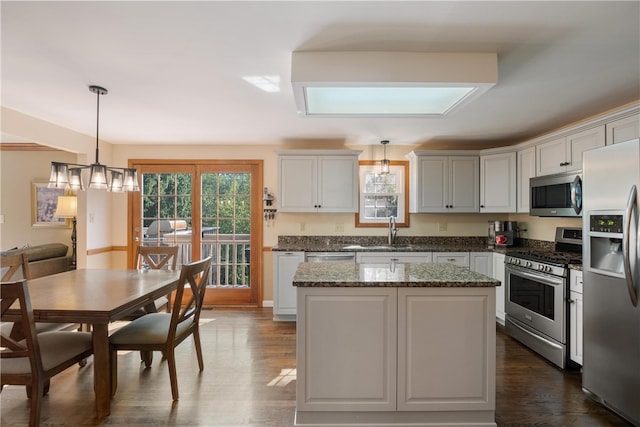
(502, 233)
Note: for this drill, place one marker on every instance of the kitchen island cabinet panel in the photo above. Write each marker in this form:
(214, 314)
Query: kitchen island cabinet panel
(446, 376)
(349, 348)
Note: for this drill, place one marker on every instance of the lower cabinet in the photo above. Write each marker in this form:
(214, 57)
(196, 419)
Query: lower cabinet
(384, 351)
(285, 265)
(498, 274)
(388, 257)
(482, 262)
(575, 316)
(461, 259)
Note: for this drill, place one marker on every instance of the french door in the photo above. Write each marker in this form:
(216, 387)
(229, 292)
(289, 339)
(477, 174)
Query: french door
(206, 208)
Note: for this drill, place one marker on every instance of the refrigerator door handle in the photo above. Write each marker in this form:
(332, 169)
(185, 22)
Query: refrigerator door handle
(626, 237)
(576, 194)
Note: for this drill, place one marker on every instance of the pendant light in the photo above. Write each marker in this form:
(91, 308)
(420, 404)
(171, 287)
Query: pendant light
(385, 163)
(69, 175)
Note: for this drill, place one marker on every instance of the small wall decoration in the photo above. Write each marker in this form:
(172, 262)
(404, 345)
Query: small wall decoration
(44, 201)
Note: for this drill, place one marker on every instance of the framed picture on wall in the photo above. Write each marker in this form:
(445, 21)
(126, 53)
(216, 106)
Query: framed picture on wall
(44, 201)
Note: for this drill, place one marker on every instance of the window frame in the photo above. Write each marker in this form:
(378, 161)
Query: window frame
(402, 166)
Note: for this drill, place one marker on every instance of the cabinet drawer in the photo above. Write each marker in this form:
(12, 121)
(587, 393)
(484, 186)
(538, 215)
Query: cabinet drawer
(460, 259)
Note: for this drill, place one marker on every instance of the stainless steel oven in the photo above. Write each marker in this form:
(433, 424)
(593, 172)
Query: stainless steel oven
(535, 303)
(536, 294)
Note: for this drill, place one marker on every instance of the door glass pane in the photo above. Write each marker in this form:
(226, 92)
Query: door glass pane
(166, 212)
(226, 227)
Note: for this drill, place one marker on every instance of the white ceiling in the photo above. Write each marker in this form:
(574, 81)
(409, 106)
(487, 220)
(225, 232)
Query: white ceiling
(174, 69)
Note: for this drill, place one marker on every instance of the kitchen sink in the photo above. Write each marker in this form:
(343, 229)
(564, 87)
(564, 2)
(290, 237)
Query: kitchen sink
(378, 247)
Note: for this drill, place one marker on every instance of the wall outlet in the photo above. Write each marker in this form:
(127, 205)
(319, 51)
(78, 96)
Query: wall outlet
(340, 227)
(442, 226)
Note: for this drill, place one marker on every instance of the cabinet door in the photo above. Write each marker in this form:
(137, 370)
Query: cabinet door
(447, 376)
(575, 315)
(580, 142)
(460, 259)
(482, 262)
(623, 129)
(498, 183)
(551, 157)
(432, 184)
(338, 184)
(284, 293)
(526, 169)
(346, 349)
(575, 326)
(498, 274)
(464, 191)
(297, 184)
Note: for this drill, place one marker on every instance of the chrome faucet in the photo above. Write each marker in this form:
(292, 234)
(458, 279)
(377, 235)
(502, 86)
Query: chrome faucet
(393, 230)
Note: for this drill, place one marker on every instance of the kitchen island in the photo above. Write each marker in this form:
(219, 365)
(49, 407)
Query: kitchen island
(394, 345)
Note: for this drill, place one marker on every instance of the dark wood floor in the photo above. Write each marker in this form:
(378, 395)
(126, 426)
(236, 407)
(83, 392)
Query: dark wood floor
(248, 382)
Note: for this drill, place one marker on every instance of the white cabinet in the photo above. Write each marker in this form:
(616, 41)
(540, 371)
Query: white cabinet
(575, 316)
(325, 182)
(623, 129)
(443, 183)
(461, 259)
(565, 154)
(482, 262)
(445, 362)
(498, 274)
(498, 182)
(405, 356)
(284, 293)
(388, 257)
(526, 169)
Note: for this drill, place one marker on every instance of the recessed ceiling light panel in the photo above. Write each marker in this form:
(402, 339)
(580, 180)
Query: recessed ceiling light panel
(388, 84)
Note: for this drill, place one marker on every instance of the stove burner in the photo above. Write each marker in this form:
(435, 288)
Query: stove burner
(557, 258)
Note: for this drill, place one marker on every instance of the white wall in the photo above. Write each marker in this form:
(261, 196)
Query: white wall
(18, 169)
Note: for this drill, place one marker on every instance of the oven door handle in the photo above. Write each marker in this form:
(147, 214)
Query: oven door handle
(626, 237)
(537, 337)
(538, 277)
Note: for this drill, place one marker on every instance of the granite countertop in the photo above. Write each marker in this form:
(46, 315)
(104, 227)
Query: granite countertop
(338, 247)
(334, 274)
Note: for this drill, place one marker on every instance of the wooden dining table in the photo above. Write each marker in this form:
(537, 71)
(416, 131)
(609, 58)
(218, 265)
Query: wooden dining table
(98, 297)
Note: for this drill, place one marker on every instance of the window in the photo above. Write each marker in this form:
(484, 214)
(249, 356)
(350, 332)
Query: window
(382, 196)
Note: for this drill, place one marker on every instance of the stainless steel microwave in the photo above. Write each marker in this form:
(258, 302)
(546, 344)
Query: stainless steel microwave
(556, 195)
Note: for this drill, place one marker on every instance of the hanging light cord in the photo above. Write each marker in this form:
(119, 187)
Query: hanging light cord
(97, 123)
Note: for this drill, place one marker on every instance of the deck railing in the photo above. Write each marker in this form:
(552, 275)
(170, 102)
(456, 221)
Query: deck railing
(230, 254)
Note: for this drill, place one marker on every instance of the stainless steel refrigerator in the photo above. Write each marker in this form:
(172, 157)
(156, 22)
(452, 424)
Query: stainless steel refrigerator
(611, 204)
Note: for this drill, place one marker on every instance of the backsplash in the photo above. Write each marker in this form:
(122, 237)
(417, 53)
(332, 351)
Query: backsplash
(462, 241)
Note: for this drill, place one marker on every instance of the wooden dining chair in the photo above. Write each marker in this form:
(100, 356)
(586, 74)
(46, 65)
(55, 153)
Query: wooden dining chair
(164, 331)
(155, 258)
(12, 264)
(39, 356)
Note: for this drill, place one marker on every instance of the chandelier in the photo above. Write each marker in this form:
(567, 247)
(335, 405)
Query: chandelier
(69, 175)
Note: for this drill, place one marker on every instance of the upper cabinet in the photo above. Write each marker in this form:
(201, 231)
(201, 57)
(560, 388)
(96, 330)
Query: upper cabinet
(498, 182)
(623, 129)
(526, 170)
(318, 180)
(441, 183)
(565, 154)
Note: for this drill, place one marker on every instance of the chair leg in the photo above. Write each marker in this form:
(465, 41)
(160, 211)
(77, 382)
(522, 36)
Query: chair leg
(36, 403)
(173, 373)
(196, 339)
(114, 372)
(147, 357)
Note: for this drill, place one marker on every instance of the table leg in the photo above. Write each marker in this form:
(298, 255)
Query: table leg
(101, 369)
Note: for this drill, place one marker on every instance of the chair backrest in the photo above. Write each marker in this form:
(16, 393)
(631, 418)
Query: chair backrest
(157, 257)
(195, 277)
(15, 296)
(13, 263)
